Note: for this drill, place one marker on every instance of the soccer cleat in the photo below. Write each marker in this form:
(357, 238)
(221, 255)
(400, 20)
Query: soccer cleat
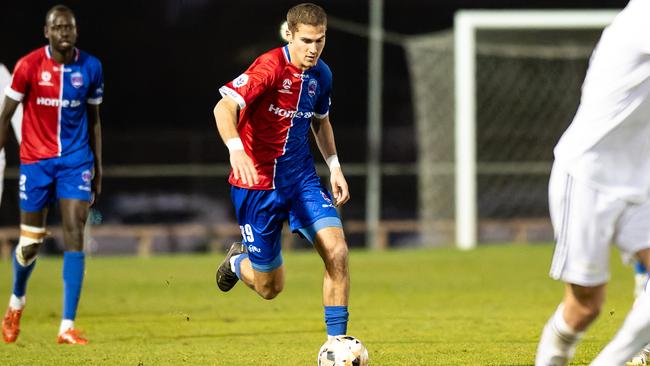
(71, 336)
(641, 359)
(226, 278)
(11, 325)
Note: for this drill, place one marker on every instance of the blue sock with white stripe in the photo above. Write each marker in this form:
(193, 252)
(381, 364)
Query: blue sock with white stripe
(237, 264)
(21, 275)
(336, 319)
(73, 275)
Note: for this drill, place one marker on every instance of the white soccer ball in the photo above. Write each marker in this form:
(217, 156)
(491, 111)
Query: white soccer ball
(343, 351)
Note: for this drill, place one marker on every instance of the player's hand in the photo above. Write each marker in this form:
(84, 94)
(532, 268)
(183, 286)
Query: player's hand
(96, 187)
(340, 189)
(243, 167)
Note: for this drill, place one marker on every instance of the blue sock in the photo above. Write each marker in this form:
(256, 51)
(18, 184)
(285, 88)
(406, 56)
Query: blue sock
(639, 268)
(336, 319)
(21, 275)
(73, 275)
(238, 264)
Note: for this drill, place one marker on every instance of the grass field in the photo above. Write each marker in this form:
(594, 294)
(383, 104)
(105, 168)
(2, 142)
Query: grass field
(411, 307)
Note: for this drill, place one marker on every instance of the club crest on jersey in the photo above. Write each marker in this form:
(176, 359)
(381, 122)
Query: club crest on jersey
(327, 199)
(86, 176)
(240, 81)
(77, 80)
(46, 76)
(311, 87)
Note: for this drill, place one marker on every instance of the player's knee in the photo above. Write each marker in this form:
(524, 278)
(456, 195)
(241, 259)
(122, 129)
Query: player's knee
(269, 290)
(269, 293)
(586, 303)
(73, 238)
(29, 242)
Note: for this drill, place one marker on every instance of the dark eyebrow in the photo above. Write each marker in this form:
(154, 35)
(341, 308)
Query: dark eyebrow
(313, 40)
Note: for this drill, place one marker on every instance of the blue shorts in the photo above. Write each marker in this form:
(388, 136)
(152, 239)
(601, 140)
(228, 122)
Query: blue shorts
(45, 181)
(261, 214)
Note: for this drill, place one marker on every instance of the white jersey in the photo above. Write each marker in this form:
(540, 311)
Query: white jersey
(607, 146)
(17, 119)
(16, 122)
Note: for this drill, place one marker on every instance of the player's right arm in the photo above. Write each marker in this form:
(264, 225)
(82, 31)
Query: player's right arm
(225, 114)
(6, 112)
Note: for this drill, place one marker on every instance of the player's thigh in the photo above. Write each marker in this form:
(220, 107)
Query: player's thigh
(312, 210)
(585, 222)
(633, 231)
(36, 187)
(74, 176)
(260, 214)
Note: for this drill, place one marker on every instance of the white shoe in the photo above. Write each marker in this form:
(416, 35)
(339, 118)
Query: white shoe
(640, 282)
(641, 359)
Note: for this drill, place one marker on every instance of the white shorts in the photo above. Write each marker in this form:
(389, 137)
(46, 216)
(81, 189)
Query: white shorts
(586, 222)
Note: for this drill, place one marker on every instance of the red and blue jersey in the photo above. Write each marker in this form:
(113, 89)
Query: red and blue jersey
(55, 97)
(277, 102)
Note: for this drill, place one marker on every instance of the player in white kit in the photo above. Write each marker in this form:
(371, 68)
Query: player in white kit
(599, 191)
(16, 121)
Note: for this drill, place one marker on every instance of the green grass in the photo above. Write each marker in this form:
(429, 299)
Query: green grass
(414, 307)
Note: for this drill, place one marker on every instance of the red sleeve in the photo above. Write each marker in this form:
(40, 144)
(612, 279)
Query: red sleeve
(19, 82)
(259, 77)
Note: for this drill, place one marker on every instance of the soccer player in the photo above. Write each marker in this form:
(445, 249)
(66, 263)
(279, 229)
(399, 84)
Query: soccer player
(60, 88)
(599, 191)
(264, 119)
(5, 80)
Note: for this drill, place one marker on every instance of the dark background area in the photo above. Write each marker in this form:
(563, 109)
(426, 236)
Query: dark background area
(165, 60)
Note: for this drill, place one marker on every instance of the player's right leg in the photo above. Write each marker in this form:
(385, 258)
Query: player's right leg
(258, 260)
(35, 193)
(585, 222)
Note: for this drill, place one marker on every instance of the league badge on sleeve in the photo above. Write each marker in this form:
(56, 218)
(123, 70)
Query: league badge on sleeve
(240, 81)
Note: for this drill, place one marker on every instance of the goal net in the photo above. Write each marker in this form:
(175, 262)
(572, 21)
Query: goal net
(491, 99)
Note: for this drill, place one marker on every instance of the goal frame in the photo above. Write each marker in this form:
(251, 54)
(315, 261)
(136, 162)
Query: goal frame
(466, 23)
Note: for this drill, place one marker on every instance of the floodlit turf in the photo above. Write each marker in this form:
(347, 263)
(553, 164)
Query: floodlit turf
(411, 307)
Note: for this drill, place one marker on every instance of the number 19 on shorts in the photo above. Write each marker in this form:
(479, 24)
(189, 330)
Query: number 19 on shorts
(247, 233)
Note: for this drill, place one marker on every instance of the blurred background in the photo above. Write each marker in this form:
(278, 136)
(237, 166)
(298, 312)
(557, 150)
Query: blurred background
(165, 185)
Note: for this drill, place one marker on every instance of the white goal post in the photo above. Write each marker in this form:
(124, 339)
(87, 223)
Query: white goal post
(466, 23)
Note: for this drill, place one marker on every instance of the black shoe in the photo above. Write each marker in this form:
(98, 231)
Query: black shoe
(226, 279)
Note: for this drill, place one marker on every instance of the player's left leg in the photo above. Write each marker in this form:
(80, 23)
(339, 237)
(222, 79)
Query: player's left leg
(74, 214)
(640, 281)
(331, 246)
(315, 217)
(635, 332)
(633, 237)
(73, 187)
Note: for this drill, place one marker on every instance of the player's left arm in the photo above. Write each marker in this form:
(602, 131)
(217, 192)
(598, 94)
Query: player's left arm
(322, 129)
(95, 141)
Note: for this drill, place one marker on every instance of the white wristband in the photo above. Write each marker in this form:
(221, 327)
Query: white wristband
(333, 162)
(234, 144)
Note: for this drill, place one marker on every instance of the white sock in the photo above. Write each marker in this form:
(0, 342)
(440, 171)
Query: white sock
(65, 325)
(631, 337)
(16, 302)
(232, 262)
(558, 342)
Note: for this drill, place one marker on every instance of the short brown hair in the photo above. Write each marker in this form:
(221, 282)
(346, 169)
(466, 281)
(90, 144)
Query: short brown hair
(306, 13)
